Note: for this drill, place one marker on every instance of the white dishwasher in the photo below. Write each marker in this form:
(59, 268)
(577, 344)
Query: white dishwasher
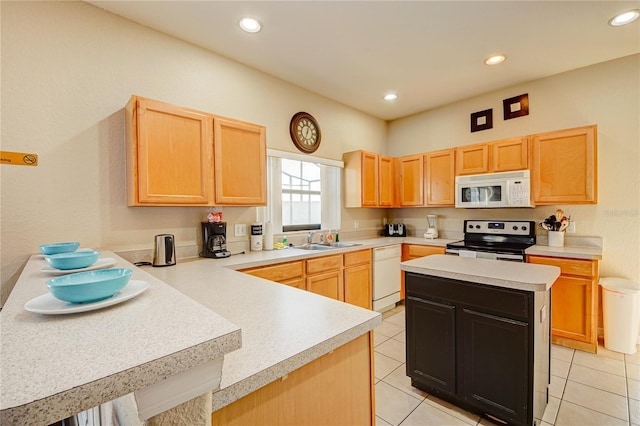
(386, 277)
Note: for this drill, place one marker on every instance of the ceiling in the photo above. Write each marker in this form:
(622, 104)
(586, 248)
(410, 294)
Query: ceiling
(430, 53)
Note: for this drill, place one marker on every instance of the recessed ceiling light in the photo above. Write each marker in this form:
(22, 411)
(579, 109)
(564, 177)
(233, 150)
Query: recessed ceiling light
(624, 18)
(495, 59)
(250, 25)
(390, 97)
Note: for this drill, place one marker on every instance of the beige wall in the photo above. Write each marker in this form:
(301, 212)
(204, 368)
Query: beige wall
(68, 69)
(606, 94)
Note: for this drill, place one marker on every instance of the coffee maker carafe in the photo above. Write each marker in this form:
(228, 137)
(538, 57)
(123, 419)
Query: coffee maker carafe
(214, 240)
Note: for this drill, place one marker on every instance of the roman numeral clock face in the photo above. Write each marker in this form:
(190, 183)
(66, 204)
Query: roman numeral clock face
(305, 132)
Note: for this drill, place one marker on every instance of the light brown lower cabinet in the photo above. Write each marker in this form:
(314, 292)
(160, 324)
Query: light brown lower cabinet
(345, 277)
(290, 273)
(574, 302)
(357, 278)
(327, 284)
(414, 251)
(324, 276)
(335, 389)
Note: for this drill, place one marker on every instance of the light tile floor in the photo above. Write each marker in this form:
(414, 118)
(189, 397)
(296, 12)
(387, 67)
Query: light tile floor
(586, 389)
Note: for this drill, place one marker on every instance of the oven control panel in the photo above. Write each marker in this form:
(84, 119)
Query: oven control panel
(505, 227)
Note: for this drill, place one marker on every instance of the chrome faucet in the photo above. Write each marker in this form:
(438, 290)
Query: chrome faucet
(310, 237)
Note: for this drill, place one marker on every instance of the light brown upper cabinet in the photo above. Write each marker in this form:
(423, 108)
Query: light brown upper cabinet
(472, 159)
(509, 154)
(410, 183)
(240, 163)
(360, 179)
(169, 155)
(385, 181)
(499, 156)
(368, 179)
(564, 166)
(439, 182)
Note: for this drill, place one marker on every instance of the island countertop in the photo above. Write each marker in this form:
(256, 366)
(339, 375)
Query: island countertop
(520, 276)
(54, 366)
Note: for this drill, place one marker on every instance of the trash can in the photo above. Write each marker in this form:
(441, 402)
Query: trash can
(621, 314)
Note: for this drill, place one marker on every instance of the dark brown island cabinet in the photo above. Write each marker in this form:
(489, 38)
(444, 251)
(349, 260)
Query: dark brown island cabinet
(484, 348)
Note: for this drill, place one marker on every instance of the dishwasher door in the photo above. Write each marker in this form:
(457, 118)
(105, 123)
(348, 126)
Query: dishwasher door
(386, 277)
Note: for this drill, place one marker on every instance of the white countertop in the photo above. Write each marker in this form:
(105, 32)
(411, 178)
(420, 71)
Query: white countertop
(283, 328)
(54, 366)
(252, 259)
(573, 252)
(79, 361)
(520, 276)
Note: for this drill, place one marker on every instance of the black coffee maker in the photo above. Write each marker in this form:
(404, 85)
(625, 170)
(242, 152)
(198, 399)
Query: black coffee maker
(214, 240)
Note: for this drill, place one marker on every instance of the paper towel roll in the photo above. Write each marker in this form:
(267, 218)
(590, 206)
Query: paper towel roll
(268, 236)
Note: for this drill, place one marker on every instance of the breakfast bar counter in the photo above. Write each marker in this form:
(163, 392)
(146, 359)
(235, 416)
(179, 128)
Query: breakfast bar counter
(283, 328)
(54, 366)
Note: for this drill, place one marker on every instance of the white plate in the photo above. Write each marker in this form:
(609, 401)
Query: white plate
(100, 264)
(47, 304)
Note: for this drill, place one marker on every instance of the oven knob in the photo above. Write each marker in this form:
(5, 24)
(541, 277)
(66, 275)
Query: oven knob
(515, 228)
(470, 226)
(477, 226)
(524, 228)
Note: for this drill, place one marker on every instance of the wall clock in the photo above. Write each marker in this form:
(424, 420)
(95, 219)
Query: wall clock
(305, 132)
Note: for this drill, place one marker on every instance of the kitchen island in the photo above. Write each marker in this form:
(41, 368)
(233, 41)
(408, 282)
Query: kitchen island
(478, 334)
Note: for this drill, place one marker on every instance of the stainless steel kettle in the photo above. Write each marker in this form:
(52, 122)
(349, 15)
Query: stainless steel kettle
(164, 253)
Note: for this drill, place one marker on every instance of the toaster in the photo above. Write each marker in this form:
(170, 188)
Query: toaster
(395, 230)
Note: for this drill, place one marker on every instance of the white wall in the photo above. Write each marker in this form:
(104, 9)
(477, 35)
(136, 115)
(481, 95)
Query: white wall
(68, 69)
(606, 94)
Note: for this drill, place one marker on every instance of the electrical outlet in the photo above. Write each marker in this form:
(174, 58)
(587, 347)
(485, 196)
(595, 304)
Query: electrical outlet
(240, 230)
(356, 223)
(571, 228)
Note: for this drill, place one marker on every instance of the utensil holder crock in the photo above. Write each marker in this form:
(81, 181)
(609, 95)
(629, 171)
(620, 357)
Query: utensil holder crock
(556, 239)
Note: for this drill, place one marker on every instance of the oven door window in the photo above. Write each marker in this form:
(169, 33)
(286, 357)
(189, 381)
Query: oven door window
(482, 194)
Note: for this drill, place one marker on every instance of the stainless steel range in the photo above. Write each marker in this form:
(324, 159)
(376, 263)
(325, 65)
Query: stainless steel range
(495, 239)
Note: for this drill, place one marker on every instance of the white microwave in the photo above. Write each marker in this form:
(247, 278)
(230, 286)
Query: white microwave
(494, 190)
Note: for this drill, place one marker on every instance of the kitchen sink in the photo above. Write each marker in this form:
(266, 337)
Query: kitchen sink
(340, 245)
(325, 246)
(314, 247)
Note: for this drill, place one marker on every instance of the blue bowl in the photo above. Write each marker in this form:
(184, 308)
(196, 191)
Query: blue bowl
(75, 260)
(90, 286)
(59, 248)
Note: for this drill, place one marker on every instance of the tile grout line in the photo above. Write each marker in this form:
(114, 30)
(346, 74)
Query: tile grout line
(626, 383)
(603, 390)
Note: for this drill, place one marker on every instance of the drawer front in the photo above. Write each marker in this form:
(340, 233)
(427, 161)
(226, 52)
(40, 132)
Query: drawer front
(325, 263)
(296, 282)
(279, 272)
(414, 250)
(505, 302)
(357, 258)
(585, 268)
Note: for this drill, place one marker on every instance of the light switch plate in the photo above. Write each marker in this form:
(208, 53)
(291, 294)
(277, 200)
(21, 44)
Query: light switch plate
(571, 229)
(240, 230)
